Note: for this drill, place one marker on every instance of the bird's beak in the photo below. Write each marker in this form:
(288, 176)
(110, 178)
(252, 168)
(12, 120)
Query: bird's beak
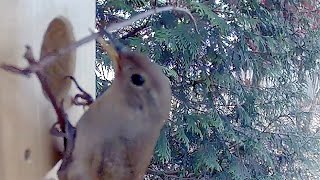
(113, 49)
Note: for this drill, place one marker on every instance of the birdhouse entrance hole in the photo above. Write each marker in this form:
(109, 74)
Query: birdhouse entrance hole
(59, 34)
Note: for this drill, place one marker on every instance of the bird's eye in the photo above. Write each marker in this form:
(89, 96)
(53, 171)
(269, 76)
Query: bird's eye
(137, 79)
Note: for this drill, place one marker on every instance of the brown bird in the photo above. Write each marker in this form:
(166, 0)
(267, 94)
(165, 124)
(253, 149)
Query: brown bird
(116, 137)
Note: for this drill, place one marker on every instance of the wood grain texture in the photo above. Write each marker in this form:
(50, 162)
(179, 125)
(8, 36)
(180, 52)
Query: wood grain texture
(25, 114)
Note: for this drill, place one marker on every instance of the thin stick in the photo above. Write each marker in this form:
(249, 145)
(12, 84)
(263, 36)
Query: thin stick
(117, 26)
(84, 95)
(61, 116)
(48, 59)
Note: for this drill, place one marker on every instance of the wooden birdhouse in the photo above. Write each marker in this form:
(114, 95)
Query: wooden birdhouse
(27, 150)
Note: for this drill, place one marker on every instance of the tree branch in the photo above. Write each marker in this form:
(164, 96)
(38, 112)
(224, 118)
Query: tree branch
(135, 30)
(116, 26)
(35, 67)
(48, 59)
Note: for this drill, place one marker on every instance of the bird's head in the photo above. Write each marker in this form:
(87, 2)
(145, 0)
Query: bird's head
(141, 82)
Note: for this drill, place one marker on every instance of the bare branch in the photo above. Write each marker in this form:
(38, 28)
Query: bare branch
(68, 131)
(48, 59)
(117, 26)
(86, 97)
(135, 30)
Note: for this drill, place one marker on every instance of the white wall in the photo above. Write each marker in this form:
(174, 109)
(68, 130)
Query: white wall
(25, 114)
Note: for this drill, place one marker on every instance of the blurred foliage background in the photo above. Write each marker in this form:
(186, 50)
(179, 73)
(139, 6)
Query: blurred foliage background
(245, 89)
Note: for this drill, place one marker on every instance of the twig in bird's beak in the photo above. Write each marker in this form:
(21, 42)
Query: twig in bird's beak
(46, 60)
(116, 26)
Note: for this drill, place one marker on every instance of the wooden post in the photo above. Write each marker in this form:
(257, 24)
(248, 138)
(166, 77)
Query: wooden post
(26, 150)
